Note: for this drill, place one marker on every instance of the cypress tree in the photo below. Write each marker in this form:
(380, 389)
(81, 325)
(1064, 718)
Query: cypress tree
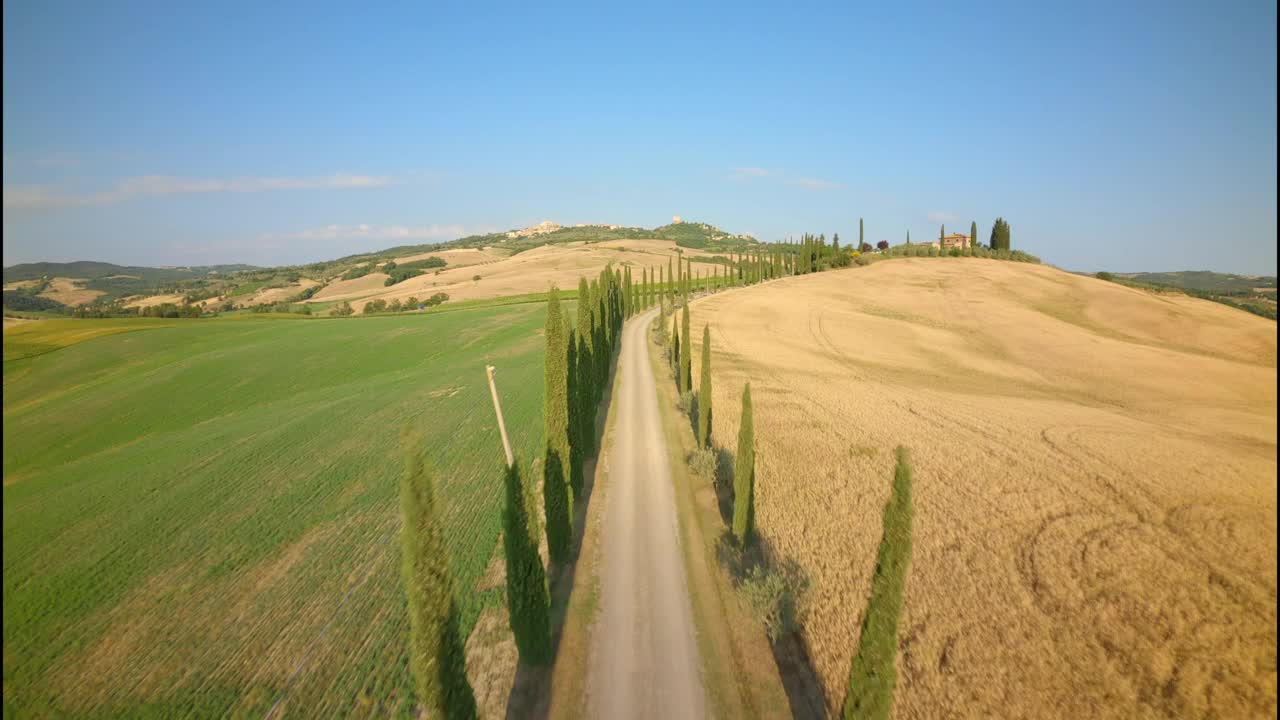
(584, 388)
(744, 473)
(862, 240)
(1000, 235)
(671, 279)
(973, 234)
(626, 294)
(942, 233)
(437, 656)
(600, 350)
(576, 456)
(686, 352)
(556, 468)
(908, 237)
(704, 391)
(619, 303)
(606, 312)
(675, 348)
(528, 604)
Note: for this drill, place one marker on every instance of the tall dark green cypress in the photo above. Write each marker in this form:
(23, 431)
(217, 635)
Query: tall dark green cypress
(744, 473)
(528, 605)
(556, 468)
(437, 655)
(601, 339)
(686, 352)
(973, 234)
(675, 348)
(671, 288)
(1000, 234)
(862, 240)
(584, 387)
(626, 294)
(704, 391)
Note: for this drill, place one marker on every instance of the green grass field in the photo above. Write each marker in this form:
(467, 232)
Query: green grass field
(192, 510)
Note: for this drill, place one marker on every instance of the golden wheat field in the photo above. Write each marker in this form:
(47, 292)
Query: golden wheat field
(1095, 481)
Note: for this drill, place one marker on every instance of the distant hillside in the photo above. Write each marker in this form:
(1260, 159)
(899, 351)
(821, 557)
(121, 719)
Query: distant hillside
(91, 270)
(686, 234)
(58, 287)
(1251, 293)
(101, 282)
(1203, 280)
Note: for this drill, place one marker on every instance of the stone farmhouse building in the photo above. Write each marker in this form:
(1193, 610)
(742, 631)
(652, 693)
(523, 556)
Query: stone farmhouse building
(954, 240)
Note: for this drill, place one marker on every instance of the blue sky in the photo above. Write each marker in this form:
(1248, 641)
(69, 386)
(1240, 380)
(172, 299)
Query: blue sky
(1119, 136)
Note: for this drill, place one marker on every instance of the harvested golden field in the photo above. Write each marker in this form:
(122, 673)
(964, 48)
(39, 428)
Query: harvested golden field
(267, 296)
(69, 292)
(146, 301)
(461, 257)
(1095, 481)
(19, 284)
(531, 271)
(356, 287)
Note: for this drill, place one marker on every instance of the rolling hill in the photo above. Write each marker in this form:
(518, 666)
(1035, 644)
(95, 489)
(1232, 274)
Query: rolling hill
(1095, 481)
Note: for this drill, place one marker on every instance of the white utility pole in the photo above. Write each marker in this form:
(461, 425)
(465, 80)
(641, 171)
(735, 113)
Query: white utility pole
(497, 409)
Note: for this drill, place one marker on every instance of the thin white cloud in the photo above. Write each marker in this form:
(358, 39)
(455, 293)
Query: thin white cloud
(747, 173)
(938, 216)
(815, 184)
(32, 197)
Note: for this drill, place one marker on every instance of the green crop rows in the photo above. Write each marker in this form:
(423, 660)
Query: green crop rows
(192, 510)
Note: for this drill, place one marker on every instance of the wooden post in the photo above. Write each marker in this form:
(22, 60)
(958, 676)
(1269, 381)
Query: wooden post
(497, 409)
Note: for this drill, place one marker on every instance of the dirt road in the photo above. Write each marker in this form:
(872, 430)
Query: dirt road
(644, 661)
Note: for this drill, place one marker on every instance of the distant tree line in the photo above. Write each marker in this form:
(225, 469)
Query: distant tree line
(396, 305)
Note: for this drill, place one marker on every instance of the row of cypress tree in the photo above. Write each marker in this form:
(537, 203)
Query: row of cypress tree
(577, 363)
(744, 460)
(576, 370)
(575, 373)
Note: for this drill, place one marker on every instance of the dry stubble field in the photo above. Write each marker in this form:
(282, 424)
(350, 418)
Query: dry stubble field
(1095, 481)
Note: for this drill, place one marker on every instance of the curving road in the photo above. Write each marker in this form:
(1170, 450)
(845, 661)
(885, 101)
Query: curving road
(644, 660)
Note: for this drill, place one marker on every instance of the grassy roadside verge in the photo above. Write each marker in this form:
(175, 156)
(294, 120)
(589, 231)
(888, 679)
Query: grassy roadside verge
(739, 672)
